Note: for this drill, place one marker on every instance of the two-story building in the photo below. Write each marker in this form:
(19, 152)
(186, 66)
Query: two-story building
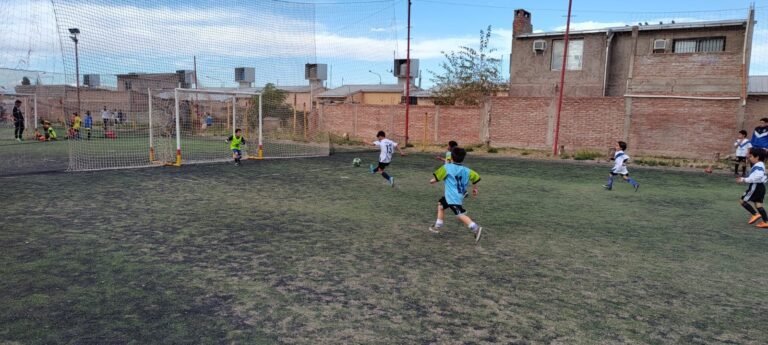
(675, 59)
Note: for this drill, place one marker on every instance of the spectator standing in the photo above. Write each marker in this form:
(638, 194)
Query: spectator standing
(760, 135)
(18, 121)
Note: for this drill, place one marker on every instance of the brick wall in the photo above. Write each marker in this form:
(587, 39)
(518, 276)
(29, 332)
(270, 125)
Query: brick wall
(683, 127)
(670, 127)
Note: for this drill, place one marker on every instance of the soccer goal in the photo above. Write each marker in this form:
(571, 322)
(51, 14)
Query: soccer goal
(189, 126)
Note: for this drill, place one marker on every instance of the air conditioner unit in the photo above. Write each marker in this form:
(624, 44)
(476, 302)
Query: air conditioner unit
(91, 80)
(659, 44)
(186, 77)
(539, 45)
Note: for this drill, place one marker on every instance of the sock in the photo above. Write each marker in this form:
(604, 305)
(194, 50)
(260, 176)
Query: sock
(438, 223)
(385, 175)
(749, 208)
(736, 169)
(762, 214)
(473, 226)
(610, 181)
(632, 182)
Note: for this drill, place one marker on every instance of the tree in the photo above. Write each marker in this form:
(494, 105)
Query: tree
(468, 75)
(273, 106)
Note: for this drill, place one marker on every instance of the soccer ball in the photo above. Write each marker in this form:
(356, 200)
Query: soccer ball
(356, 162)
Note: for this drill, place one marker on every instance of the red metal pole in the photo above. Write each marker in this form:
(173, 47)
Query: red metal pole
(562, 81)
(408, 75)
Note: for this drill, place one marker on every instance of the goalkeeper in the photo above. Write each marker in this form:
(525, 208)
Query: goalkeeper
(235, 144)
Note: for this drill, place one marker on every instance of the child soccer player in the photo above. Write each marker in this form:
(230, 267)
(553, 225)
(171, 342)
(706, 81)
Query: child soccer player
(76, 123)
(620, 167)
(88, 123)
(447, 159)
(756, 190)
(235, 142)
(457, 178)
(742, 146)
(50, 133)
(387, 147)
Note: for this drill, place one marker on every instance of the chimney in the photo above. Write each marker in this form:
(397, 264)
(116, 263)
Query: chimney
(522, 23)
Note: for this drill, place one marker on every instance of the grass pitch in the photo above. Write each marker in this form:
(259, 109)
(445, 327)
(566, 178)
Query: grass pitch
(315, 251)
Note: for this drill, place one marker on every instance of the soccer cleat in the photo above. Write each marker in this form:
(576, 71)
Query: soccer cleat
(637, 186)
(479, 232)
(753, 219)
(372, 169)
(607, 187)
(392, 181)
(762, 225)
(435, 229)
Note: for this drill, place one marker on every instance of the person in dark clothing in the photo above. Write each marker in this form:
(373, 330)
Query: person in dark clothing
(18, 121)
(760, 135)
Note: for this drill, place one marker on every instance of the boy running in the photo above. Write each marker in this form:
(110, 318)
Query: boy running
(387, 147)
(756, 190)
(620, 167)
(457, 178)
(88, 123)
(235, 142)
(447, 159)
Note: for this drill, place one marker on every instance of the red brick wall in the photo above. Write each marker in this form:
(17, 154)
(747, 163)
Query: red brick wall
(670, 127)
(683, 127)
(594, 123)
(520, 121)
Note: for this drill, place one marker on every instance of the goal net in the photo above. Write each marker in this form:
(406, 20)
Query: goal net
(190, 126)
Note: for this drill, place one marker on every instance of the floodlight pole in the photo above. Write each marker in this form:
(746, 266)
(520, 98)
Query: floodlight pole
(408, 75)
(378, 75)
(178, 129)
(555, 142)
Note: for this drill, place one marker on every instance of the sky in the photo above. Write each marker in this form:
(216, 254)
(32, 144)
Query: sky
(358, 39)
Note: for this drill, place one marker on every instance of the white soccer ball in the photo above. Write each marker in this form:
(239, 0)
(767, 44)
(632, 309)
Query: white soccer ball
(356, 162)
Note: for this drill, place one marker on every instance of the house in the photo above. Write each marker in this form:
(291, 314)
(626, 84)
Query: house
(143, 81)
(702, 59)
(375, 94)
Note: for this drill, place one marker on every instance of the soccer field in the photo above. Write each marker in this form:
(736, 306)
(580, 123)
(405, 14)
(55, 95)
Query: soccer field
(315, 251)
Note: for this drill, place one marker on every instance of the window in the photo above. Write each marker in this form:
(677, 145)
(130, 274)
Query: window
(700, 45)
(575, 55)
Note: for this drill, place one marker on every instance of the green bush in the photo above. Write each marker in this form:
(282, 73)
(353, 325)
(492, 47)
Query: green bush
(584, 155)
(493, 150)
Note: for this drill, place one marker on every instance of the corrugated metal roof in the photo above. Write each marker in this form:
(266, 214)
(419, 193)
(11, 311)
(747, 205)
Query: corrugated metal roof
(346, 90)
(758, 85)
(650, 27)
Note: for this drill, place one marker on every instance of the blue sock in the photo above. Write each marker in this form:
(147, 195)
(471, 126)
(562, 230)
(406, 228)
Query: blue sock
(632, 182)
(385, 175)
(610, 182)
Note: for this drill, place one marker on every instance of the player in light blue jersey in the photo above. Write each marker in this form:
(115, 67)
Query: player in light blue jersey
(457, 178)
(620, 159)
(447, 158)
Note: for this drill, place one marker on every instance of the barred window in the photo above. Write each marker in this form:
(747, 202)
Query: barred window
(700, 45)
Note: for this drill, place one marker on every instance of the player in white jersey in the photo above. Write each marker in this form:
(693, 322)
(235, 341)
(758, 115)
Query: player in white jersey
(742, 146)
(386, 147)
(620, 159)
(756, 190)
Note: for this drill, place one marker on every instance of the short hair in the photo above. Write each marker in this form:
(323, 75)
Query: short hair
(623, 145)
(381, 134)
(458, 154)
(452, 144)
(743, 132)
(18, 101)
(765, 119)
(757, 152)
(237, 130)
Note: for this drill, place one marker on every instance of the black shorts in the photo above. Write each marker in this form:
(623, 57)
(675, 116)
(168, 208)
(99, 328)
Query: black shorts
(457, 209)
(755, 193)
(741, 159)
(382, 166)
(615, 174)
